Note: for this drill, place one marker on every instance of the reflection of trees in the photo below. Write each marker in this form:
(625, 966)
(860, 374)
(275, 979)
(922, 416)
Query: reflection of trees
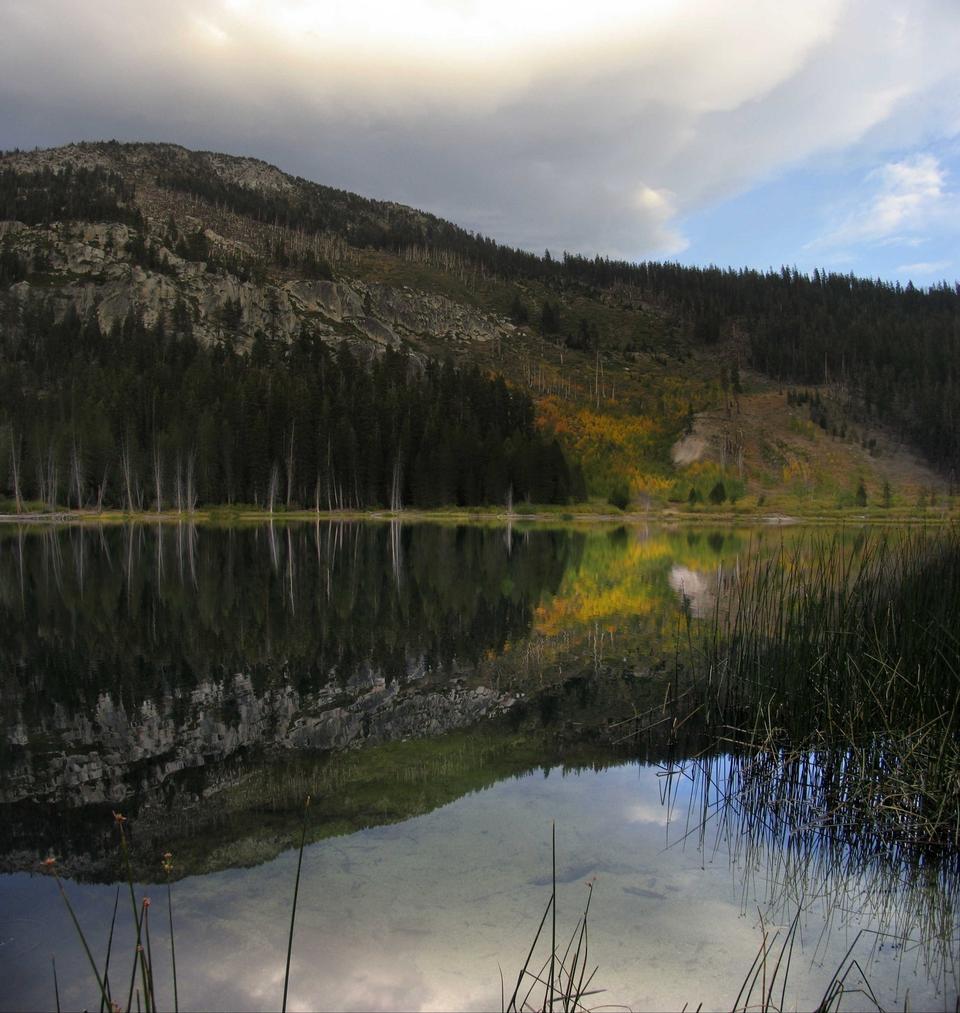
(139, 612)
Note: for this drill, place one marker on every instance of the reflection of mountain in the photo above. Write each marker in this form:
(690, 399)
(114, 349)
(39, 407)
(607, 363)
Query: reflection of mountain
(169, 670)
(128, 655)
(245, 807)
(112, 754)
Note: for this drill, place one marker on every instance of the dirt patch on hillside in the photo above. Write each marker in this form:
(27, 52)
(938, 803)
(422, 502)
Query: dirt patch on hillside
(777, 447)
(688, 449)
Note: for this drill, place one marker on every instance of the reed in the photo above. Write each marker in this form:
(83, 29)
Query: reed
(832, 675)
(293, 906)
(167, 870)
(827, 688)
(560, 982)
(142, 961)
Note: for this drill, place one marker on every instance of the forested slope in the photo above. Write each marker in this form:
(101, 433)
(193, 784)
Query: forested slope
(182, 326)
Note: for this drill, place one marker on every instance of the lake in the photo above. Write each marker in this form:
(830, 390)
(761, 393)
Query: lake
(446, 695)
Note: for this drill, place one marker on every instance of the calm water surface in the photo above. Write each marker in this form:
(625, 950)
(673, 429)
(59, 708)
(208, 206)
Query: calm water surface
(445, 694)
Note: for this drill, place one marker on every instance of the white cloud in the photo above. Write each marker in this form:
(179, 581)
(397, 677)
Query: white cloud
(924, 268)
(903, 198)
(594, 127)
(648, 812)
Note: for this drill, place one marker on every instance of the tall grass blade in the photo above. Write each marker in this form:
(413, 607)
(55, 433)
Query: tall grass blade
(106, 1001)
(293, 909)
(56, 985)
(76, 925)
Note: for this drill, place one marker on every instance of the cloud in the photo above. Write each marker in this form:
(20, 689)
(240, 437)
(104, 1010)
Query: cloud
(924, 268)
(592, 127)
(904, 200)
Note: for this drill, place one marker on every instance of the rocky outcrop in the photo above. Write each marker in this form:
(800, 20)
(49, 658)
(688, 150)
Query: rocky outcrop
(88, 267)
(240, 290)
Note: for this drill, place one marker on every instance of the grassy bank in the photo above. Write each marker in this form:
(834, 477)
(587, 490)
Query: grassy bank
(594, 511)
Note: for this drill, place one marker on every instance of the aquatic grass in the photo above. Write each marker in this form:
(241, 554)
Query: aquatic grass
(167, 866)
(107, 998)
(841, 662)
(137, 962)
(142, 953)
(56, 984)
(49, 865)
(293, 906)
(765, 1000)
(827, 690)
(139, 954)
(563, 976)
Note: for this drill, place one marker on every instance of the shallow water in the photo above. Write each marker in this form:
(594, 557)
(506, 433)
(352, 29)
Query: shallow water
(446, 696)
(426, 913)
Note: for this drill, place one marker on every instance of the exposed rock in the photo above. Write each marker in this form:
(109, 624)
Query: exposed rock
(88, 265)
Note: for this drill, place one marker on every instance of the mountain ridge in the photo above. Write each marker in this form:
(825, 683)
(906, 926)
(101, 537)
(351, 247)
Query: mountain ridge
(619, 364)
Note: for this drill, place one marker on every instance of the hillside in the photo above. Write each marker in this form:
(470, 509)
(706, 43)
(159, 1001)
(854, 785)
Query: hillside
(158, 305)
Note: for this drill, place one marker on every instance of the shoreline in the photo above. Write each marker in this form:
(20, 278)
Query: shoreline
(224, 516)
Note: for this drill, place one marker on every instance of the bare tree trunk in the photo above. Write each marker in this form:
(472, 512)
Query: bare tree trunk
(127, 477)
(293, 431)
(396, 500)
(53, 479)
(77, 478)
(191, 485)
(158, 478)
(179, 487)
(15, 462)
(102, 490)
(274, 483)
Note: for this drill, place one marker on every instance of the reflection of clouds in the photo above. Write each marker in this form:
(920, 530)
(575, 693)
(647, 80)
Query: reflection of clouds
(420, 915)
(646, 812)
(692, 587)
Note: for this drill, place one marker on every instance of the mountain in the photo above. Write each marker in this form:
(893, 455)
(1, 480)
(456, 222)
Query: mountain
(183, 327)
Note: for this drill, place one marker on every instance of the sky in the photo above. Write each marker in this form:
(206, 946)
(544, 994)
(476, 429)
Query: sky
(821, 133)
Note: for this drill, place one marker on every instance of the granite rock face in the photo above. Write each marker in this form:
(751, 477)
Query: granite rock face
(241, 289)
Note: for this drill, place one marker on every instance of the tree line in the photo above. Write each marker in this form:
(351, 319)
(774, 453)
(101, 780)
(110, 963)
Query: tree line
(67, 194)
(896, 347)
(147, 417)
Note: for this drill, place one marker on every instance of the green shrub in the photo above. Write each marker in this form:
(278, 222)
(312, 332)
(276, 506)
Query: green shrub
(619, 496)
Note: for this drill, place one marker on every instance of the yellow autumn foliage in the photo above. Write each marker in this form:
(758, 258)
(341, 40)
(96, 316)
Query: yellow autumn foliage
(608, 445)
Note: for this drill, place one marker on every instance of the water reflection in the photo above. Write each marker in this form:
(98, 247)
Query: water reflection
(422, 914)
(420, 682)
(148, 642)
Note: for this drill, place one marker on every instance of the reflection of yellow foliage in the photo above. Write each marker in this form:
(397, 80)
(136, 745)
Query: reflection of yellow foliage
(611, 581)
(618, 579)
